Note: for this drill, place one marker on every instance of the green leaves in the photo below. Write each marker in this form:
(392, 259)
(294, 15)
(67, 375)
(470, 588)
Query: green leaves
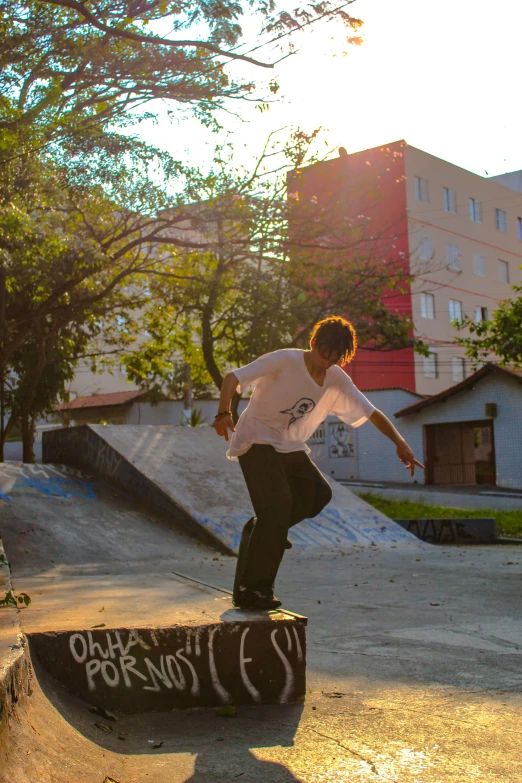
(254, 271)
(500, 335)
(11, 599)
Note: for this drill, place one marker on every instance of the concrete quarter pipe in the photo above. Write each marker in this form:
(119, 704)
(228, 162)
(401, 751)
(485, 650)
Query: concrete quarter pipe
(184, 472)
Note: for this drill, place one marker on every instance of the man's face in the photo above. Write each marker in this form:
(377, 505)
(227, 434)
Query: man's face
(323, 359)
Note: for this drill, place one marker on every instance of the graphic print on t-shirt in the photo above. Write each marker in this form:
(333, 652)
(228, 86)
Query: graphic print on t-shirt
(299, 409)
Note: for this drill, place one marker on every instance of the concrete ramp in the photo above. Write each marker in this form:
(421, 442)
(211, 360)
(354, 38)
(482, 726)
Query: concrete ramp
(110, 617)
(183, 471)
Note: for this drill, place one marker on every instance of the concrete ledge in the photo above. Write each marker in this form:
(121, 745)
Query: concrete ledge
(14, 665)
(260, 659)
(452, 531)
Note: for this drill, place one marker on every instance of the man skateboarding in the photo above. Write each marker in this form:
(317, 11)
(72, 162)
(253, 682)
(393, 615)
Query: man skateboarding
(294, 391)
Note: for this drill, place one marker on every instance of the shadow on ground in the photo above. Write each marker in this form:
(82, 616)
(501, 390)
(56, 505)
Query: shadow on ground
(55, 737)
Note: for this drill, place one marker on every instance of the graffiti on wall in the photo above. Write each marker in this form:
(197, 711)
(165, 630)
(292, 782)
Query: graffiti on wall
(340, 440)
(332, 528)
(217, 664)
(51, 480)
(81, 446)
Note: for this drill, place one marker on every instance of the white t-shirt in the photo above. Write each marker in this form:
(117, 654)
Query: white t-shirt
(287, 405)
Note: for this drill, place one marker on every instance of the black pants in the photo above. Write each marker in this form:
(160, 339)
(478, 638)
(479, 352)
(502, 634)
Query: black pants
(284, 489)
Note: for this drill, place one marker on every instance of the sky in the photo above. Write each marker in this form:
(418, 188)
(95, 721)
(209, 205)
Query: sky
(444, 76)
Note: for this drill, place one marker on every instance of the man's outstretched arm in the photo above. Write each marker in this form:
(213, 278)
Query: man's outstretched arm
(223, 421)
(404, 452)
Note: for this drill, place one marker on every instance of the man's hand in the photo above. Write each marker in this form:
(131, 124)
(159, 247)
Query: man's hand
(405, 454)
(223, 425)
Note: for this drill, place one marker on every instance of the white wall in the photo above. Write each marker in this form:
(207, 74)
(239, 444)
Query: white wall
(468, 405)
(171, 411)
(378, 459)
(374, 457)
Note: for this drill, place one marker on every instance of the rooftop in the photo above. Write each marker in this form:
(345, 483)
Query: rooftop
(487, 369)
(101, 400)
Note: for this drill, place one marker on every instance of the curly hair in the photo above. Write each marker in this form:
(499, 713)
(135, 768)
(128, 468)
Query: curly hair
(335, 335)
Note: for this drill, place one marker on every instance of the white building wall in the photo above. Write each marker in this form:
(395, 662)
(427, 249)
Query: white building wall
(334, 448)
(171, 411)
(468, 405)
(512, 179)
(378, 459)
(86, 382)
(479, 244)
(374, 457)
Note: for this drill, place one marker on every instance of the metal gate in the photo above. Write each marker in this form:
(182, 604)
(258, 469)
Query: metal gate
(460, 453)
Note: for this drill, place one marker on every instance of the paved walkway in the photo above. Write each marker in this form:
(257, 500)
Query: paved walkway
(451, 496)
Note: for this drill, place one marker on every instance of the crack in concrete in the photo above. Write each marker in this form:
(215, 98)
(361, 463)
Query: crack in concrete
(350, 750)
(401, 708)
(369, 763)
(355, 652)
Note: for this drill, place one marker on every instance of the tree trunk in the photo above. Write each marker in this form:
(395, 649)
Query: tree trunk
(207, 337)
(188, 402)
(2, 358)
(28, 438)
(2, 414)
(207, 346)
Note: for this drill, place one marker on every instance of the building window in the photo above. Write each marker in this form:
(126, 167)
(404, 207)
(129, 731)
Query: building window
(503, 271)
(455, 310)
(431, 368)
(427, 306)
(481, 314)
(475, 210)
(453, 257)
(458, 368)
(422, 189)
(501, 219)
(479, 265)
(450, 200)
(425, 248)
(519, 226)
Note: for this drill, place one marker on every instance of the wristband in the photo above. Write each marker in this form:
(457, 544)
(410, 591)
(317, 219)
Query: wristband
(223, 413)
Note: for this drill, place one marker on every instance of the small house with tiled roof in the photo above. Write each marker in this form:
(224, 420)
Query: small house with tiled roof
(112, 408)
(469, 434)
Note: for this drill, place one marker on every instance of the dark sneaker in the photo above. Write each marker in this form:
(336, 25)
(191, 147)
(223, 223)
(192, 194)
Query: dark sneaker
(247, 598)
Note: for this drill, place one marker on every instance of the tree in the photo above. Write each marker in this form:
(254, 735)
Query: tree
(67, 65)
(79, 216)
(263, 274)
(37, 377)
(501, 334)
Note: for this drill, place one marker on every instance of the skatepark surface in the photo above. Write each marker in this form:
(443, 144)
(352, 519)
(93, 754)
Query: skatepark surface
(413, 664)
(187, 468)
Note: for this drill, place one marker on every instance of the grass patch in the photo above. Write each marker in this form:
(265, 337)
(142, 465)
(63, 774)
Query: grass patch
(509, 523)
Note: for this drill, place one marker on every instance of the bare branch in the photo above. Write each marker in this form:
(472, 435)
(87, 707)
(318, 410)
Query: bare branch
(75, 5)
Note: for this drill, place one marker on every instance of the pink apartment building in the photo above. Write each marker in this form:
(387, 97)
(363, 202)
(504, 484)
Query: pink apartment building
(460, 233)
